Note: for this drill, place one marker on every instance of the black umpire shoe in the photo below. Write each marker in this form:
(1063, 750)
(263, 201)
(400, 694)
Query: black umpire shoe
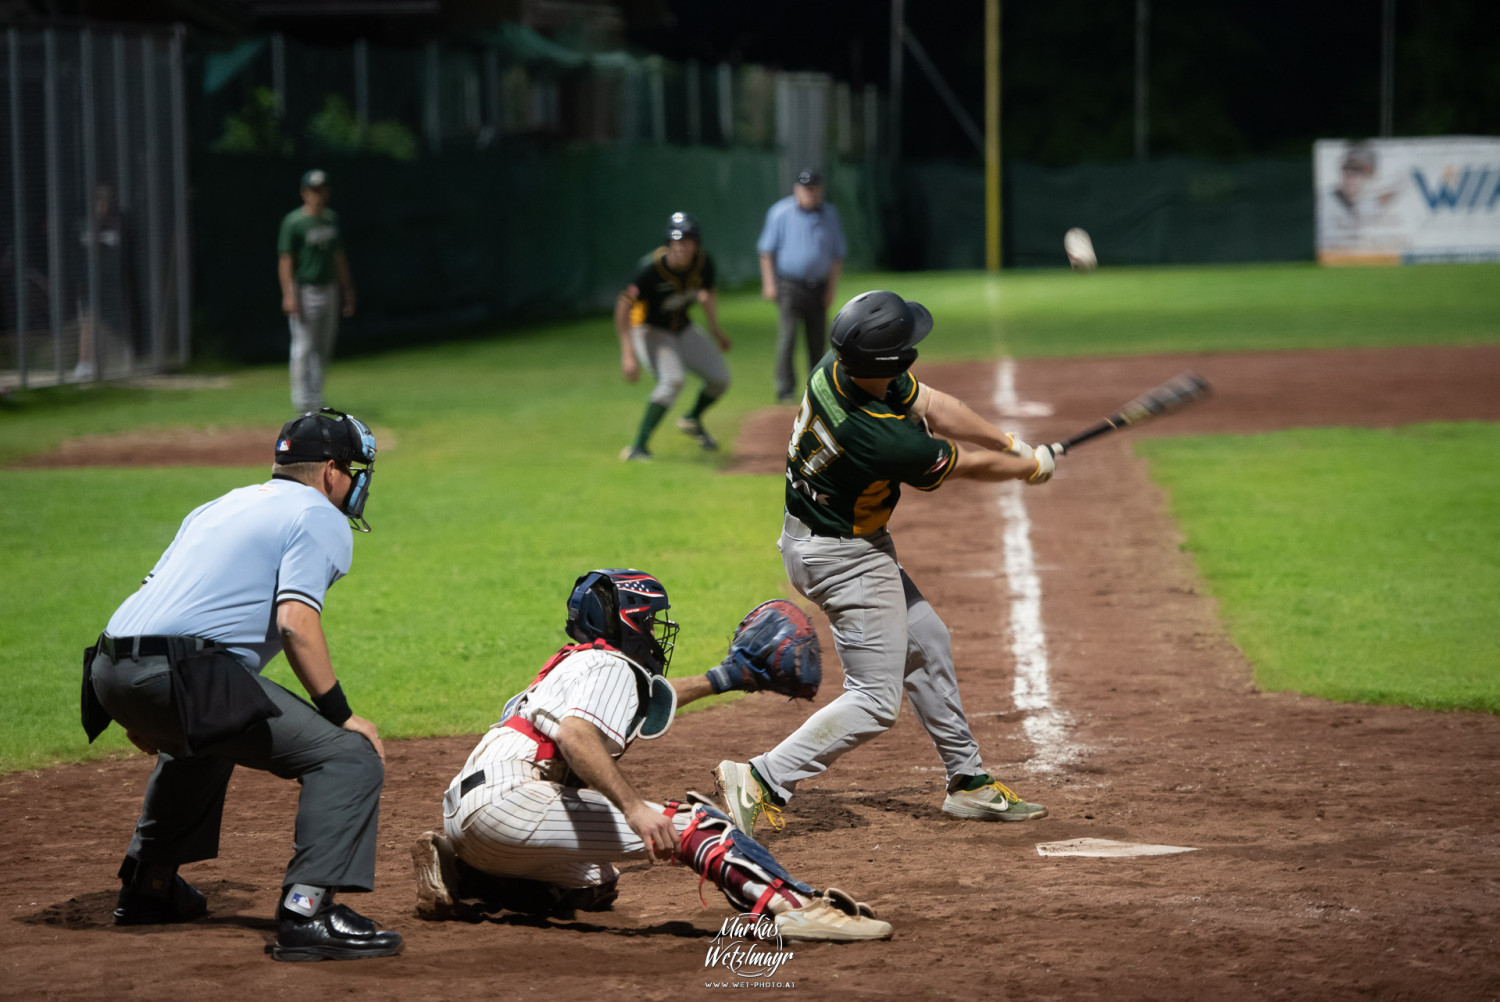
(337, 932)
(153, 894)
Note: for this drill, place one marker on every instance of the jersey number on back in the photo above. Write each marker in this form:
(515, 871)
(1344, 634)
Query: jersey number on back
(827, 446)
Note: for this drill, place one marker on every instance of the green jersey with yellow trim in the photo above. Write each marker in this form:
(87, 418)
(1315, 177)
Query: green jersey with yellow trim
(850, 452)
(662, 296)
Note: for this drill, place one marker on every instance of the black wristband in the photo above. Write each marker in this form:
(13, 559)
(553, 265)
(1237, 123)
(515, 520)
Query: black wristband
(333, 706)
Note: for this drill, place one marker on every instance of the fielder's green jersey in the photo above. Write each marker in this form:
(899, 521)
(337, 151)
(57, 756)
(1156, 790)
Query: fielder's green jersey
(850, 453)
(311, 241)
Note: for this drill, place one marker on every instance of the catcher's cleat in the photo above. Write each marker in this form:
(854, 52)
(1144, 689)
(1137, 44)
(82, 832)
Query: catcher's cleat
(435, 866)
(630, 454)
(827, 919)
(745, 799)
(694, 428)
(985, 798)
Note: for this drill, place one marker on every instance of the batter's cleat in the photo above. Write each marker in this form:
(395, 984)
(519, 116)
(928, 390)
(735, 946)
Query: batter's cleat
(337, 932)
(985, 798)
(694, 428)
(177, 901)
(630, 454)
(435, 866)
(829, 919)
(745, 799)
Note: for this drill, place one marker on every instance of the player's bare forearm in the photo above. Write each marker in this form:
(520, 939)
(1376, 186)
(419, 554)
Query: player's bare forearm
(835, 272)
(301, 630)
(288, 283)
(767, 277)
(691, 688)
(582, 744)
(993, 466)
(710, 300)
(952, 418)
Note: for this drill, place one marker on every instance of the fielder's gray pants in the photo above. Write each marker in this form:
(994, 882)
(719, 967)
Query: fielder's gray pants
(314, 328)
(888, 637)
(798, 301)
(338, 811)
(670, 357)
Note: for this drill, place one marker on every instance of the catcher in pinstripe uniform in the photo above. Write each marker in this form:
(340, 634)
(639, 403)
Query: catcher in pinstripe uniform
(540, 811)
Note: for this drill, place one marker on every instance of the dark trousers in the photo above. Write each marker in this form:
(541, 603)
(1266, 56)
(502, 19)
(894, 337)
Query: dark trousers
(796, 300)
(337, 813)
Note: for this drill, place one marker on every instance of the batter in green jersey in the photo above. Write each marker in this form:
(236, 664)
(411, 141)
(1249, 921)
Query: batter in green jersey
(866, 427)
(851, 451)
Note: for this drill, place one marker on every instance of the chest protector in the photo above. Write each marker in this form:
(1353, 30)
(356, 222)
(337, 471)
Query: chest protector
(656, 702)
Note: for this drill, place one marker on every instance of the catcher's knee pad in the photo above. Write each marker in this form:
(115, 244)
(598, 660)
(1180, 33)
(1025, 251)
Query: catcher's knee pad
(741, 867)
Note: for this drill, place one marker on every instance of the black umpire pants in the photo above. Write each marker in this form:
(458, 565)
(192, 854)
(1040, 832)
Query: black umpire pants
(798, 300)
(341, 775)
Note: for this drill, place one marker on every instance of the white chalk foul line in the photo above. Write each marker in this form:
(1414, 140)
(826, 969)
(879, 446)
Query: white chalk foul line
(1045, 725)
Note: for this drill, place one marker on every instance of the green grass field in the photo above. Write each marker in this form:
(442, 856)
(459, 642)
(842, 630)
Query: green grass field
(498, 483)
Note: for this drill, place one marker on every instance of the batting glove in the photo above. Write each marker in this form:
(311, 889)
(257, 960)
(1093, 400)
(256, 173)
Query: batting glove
(1017, 448)
(1045, 464)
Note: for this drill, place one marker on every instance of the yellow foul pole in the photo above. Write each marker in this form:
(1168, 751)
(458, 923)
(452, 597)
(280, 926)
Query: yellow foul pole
(992, 135)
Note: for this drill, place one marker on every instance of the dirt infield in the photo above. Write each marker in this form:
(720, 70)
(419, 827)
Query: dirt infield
(1342, 851)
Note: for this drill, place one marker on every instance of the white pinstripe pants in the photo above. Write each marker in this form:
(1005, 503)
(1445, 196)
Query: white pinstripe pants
(547, 831)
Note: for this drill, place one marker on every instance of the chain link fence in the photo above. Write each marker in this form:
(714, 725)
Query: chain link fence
(93, 206)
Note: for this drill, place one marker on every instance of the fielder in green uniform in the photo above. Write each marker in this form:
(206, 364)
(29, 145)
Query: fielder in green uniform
(651, 320)
(316, 287)
(866, 427)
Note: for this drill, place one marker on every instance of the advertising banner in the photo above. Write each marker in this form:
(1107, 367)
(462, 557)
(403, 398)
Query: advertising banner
(1404, 201)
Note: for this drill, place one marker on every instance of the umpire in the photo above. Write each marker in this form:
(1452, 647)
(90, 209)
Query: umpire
(802, 253)
(178, 667)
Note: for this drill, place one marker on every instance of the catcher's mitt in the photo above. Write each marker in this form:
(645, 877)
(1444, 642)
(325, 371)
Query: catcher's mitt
(775, 648)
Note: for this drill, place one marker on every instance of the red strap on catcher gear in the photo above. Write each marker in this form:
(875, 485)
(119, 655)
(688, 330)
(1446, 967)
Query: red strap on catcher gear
(546, 748)
(670, 808)
(557, 659)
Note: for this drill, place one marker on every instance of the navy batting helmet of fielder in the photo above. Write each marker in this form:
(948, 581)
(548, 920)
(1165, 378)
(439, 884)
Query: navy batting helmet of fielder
(876, 333)
(681, 226)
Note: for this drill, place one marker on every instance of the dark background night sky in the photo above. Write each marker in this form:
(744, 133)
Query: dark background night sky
(1227, 77)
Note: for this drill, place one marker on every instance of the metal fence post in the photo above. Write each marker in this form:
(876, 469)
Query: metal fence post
(18, 201)
(431, 106)
(179, 189)
(726, 103)
(122, 125)
(91, 221)
(658, 101)
(362, 85)
(694, 104)
(156, 322)
(278, 72)
(54, 199)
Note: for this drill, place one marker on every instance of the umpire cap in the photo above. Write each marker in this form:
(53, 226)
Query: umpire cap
(327, 434)
(876, 332)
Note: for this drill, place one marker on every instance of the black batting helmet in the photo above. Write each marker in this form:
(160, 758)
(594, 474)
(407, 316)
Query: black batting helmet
(876, 332)
(680, 226)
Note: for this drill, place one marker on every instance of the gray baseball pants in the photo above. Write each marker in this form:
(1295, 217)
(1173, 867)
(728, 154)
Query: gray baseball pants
(314, 328)
(338, 811)
(798, 301)
(889, 638)
(670, 357)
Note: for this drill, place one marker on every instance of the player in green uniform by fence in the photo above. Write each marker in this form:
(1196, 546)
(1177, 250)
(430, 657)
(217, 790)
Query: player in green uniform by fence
(316, 287)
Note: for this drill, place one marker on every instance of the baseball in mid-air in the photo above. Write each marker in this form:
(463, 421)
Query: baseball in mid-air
(1080, 250)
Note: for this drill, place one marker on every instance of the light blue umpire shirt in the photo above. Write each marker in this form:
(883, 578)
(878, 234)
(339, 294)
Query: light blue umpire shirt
(802, 245)
(233, 561)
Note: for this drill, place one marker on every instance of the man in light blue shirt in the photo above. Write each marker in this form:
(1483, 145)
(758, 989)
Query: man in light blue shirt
(178, 667)
(802, 252)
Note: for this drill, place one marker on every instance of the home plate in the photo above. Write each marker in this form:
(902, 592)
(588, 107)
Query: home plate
(1104, 848)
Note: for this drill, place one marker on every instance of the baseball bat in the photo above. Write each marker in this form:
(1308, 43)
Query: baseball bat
(1174, 394)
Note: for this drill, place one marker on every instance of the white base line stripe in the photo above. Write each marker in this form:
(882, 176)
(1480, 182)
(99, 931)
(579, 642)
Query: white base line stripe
(1045, 725)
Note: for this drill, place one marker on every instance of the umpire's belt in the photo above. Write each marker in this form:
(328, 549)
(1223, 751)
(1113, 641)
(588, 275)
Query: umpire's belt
(119, 648)
(806, 283)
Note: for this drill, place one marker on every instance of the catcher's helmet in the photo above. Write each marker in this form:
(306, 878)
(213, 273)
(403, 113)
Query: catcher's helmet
(680, 226)
(624, 608)
(343, 438)
(876, 332)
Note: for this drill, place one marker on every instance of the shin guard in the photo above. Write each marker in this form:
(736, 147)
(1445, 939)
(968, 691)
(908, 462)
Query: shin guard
(749, 876)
